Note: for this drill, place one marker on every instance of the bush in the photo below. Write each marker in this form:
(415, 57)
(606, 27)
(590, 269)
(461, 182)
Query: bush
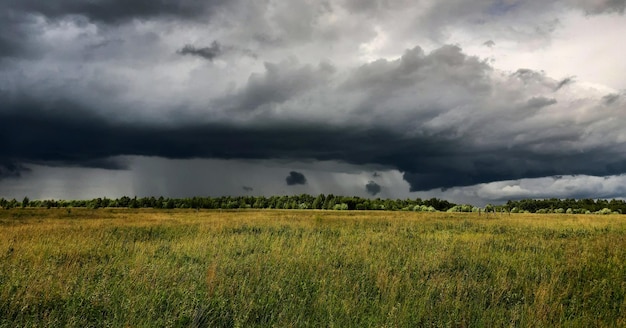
(342, 207)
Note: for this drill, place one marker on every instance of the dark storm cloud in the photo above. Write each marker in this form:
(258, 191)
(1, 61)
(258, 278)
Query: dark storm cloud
(110, 11)
(441, 118)
(12, 35)
(295, 178)
(21, 28)
(205, 52)
(372, 188)
(247, 189)
(60, 135)
(10, 169)
(16, 34)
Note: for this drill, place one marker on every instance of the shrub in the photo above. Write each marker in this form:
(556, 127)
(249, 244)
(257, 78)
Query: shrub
(342, 206)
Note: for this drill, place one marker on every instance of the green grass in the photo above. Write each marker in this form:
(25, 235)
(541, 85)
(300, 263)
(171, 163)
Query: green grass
(145, 268)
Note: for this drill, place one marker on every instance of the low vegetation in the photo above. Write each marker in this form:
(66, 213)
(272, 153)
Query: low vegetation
(181, 268)
(331, 202)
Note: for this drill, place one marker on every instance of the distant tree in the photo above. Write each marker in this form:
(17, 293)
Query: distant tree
(25, 202)
(11, 204)
(329, 202)
(319, 202)
(133, 203)
(95, 203)
(123, 202)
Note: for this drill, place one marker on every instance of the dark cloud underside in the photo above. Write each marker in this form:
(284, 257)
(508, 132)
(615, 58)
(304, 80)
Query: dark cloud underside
(11, 169)
(74, 137)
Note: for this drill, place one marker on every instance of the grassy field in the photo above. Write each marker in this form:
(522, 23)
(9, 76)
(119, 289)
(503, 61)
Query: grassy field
(146, 268)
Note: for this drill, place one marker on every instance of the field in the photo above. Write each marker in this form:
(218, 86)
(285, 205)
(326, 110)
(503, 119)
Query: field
(181, 268)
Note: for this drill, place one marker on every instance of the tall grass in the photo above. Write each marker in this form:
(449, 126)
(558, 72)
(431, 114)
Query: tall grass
(145, 268)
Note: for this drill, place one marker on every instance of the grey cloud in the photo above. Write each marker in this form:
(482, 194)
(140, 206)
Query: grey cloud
(526, 74)
(540, 102)
(533, 20)
(279, 83)
(295, 178)
(368, 6)
(594, 7)
(21, 29)
(447, 63)
(444, 119)
(418, 87)
(611, 98)
(428, 162)
(247, 189)
(295, 22)
(110, 11)
(489, 44)
(205, 52)
(216, 49)
(10, 169)
(564, 82)
(17, 35)
(110, 87)
(372, 188)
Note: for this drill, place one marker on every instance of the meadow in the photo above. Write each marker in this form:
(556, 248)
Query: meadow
(299, 268)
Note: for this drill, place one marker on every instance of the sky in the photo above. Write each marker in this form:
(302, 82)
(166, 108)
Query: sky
(470, 101)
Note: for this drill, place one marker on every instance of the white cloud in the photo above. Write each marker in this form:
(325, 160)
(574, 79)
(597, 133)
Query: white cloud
(578, 186)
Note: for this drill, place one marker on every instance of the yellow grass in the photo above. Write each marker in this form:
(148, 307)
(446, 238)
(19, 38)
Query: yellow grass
(121, 267)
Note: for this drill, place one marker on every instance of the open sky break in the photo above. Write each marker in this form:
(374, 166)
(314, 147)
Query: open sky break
(472, 101)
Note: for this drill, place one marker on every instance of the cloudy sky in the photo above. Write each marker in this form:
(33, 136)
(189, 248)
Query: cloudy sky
(472, 101)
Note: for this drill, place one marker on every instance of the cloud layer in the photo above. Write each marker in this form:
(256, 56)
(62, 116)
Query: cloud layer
(84, 84)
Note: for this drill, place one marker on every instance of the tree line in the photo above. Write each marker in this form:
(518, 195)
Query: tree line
(304, 201)
(331, 202)
(568, 205)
